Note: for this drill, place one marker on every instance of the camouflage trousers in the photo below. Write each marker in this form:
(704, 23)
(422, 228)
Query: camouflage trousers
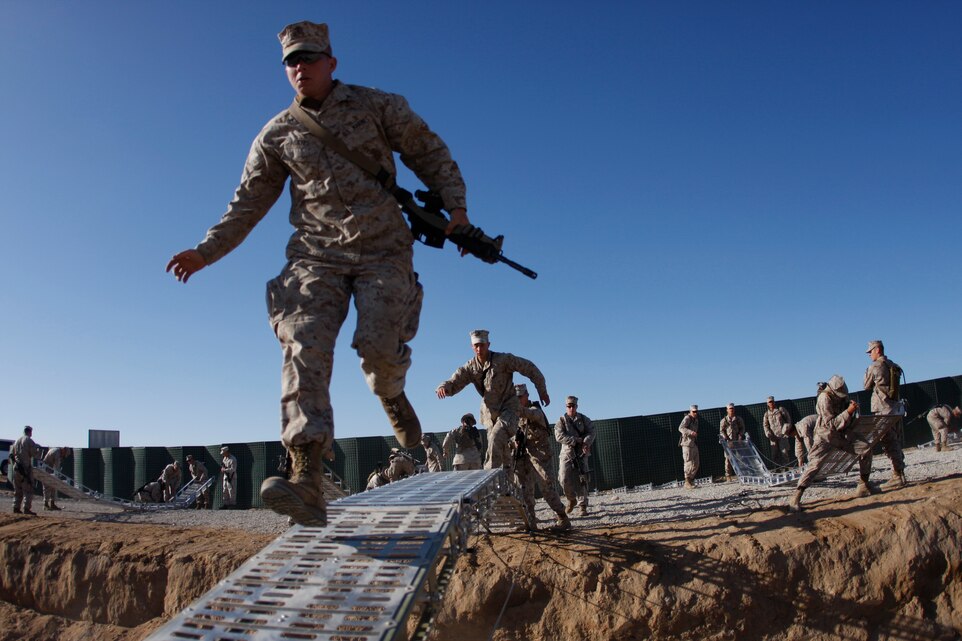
(782, 450)
(307, 304)
(691, 459)
(230, 490)
(499, 437)
(533, 473)
(170, 491)
(575, 491)
(803, 448)
(940, 432)
(466, 465)
(22, 491)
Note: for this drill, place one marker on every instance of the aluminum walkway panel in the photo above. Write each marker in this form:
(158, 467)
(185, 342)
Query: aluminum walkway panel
(376, 569)
(749, 466)
(864, 434)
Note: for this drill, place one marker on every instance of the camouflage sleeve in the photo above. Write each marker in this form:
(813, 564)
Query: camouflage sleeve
(684, 429)
(261, 184)
(590, 430)
(422, 150)
(767, 427)
(829, 418)
(870, 376)
(530, 371)
(561, 434)
(458, 381)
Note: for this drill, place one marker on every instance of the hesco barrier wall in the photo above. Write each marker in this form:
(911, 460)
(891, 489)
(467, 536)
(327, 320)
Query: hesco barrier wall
(628, 451)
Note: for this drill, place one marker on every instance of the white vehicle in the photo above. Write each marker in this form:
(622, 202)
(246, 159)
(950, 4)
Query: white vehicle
(5, 446)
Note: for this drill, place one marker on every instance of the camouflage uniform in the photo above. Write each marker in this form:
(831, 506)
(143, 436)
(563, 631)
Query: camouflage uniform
(229, 481)
(731, 428)
(198, 473)
(466, 443)
(777, 425)
(574, 434)
(533, 469)
(499, 403)
(833, 417)
(940, 420)
(433, 457)
(23, 452)
(170, 478)
(689, 447)
(350, 240)
(879, 379)
(400, 466)
(804, 432)
(54, 459)
(152, 492)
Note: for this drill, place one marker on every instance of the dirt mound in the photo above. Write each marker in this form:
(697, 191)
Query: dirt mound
(63, 579)
(883, 567)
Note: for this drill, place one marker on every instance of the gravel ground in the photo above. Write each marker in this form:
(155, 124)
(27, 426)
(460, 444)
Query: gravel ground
(624, 506)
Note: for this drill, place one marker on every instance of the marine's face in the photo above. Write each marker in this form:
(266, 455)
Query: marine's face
(571, 409)
(731, 412)
(481, 350)
(311, 79)
(875, 353)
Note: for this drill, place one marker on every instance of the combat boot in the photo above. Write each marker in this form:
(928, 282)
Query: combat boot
(938, 447)
(562, 523)
(46, 505)
(55, 507)
(407, 427)
(862, 489)
(584, 510)
(29, 511)
(689, 485)
(897, 481)
(301, 497)
(795, 505)
(16, 510)
(571, 506)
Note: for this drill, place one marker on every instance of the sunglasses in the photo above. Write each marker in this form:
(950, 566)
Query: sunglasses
(305, 57)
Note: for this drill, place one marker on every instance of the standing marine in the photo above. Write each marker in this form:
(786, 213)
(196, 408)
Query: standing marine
(576, 433)
(491, 373)
(731, 428)
(465, 441)
(689, 446)
(22, 454)
(431, 454)
(777, 425)
(228, 470)
(350, 241)
(883, 379)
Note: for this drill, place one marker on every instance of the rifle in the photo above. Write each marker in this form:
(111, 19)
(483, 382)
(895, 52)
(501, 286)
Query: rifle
(428, 225)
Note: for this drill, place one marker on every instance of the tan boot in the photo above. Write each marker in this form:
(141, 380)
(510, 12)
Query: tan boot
(55, 507)
(571, 506)
(689, 485)
(862, 489)
(302, 497)
(584, 510)
(897, 481)
(795, 505)
(407, 427)
(562, 523)
(938, 447)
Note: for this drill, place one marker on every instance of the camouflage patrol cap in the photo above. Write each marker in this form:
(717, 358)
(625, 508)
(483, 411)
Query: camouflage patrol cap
(770, 399)
(521, 389)
(304, 36)
(189, 458)
(572, 400)
(479, 336)
(730, 406)
(223, 449)
(837, 385)
(873, 344)
(693, 408)
(468, 419)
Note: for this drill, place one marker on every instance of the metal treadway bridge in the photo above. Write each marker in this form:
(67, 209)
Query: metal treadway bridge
(377, 570)
(864, 434)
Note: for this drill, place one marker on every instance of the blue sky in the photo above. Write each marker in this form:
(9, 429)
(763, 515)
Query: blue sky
(723, 201)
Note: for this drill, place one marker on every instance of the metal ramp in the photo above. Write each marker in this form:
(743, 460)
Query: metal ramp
(749, 466)
(71, 488)
(864, 434)
(377, 571)
(954, 438)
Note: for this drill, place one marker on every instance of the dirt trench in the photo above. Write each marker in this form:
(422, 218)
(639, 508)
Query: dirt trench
(885, 567)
